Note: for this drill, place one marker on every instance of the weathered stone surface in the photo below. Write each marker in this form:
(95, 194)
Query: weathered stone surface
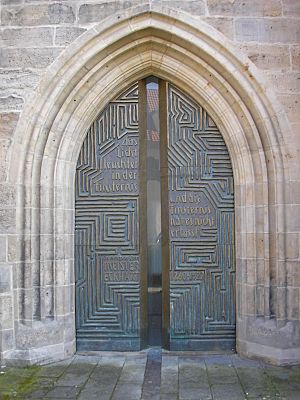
(294, 188)
(54, 371)
(18, 248)
(8, 123)
(49, 1)
(62, 294)
(96, 12)
(269, 57)
(224, 25)
(255, 383)
(11, 102)
(10, 2)
(6, 315)
(169, 376)
(196, 7)
(127, 391)
(27, 37)
(93, 391)
(28, 58)
(256, 8)
(18, 79)
(291, 8)
(3, 249)
(103, 379)
(4, 156)
(285, 82)
(7, 339)
(23, 276)
(193, 379)
(293, 212)
(217, 376)
(7, 220)
(44, 335)
(152, 377)
(6, 275)
(38, 14)
(62, 392)
(295, 54)
(293, 301)
(66, 35)
(227, 392)
(291, 104)
(133, 372)
(98, 378)
(279, 30)
(293, 276)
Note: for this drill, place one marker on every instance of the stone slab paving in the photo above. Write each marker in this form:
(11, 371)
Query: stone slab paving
(151, 375)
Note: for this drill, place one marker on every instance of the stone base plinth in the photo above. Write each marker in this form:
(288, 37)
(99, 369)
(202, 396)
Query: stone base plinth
(269, 354)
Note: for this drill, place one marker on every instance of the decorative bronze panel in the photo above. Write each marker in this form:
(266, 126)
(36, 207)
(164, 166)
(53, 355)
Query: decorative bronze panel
(107, 254)
(197, 236)
(201, 229)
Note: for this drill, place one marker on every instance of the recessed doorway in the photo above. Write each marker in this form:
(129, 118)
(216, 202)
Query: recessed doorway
(154, 226)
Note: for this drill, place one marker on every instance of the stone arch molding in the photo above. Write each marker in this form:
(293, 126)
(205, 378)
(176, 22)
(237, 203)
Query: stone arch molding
(170, 44)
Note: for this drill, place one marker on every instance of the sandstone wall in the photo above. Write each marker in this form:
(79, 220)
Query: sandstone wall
(34, 32)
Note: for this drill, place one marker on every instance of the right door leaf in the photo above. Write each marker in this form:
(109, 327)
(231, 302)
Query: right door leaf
(201, 229)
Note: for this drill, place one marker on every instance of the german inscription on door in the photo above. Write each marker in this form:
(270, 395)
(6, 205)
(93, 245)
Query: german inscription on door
(201, 229)
(107, 230)
(194, 251)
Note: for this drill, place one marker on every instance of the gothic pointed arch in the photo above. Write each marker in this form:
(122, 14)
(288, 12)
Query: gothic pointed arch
(149, 40)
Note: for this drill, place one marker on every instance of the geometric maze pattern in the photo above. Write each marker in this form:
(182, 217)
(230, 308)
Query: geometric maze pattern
(201, 231)
(107, 229)
(201, 214)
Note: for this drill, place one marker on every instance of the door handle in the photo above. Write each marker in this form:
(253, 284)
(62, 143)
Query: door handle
(154, 289)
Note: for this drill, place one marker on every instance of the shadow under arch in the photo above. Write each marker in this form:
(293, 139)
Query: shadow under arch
(146, 40)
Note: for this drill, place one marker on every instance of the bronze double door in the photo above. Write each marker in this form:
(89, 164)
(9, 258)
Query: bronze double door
(154, 226)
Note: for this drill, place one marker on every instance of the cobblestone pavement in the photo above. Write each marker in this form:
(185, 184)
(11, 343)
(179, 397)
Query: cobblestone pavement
(151, 375)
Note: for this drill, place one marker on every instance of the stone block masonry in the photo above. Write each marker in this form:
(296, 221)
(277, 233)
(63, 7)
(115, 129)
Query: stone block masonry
(38, 14)
(38, 40)
(33, 33)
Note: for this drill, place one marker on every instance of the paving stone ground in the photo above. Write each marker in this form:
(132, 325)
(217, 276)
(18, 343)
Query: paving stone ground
(151, 375)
